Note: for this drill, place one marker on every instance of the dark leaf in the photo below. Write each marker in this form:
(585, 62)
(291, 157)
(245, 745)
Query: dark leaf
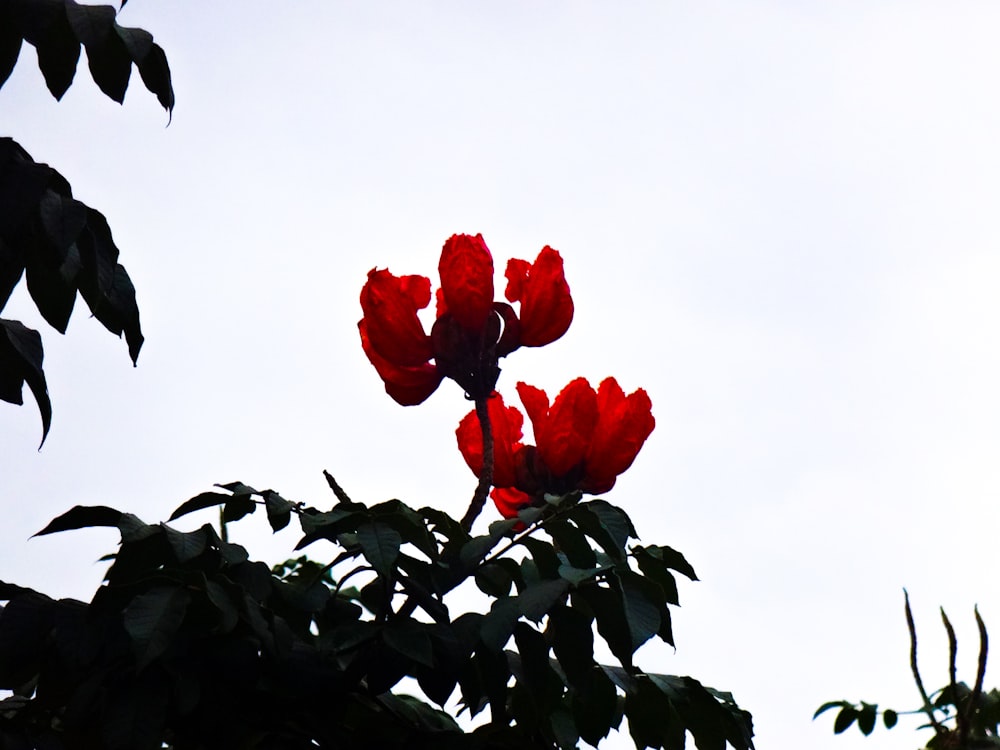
(544, 555)
(572, 543)
(595, 706)
(537, 599)
(642, 614)
(494, 580)
(186, 545)
(152, 620)
(828, 705)
(606, 604)
(10, 43)
(889, 718)
(279, 510)
(844, 719)
(238, 488)
(673, 560)
(498, 624)
(866, 718)
(572, 638)
(21, 362)
(537, 674)
(81, 517)
(237, 507)
(11, 267)
(155, 75)
(44, 24)
(198, 502)
(411, 640)
(380, 546)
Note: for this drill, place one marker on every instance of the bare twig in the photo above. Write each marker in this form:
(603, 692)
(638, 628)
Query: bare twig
(965, 717)
(928, 707)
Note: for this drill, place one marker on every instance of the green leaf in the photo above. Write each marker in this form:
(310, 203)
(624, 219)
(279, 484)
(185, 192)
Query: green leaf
(81, 517)
(538, 598)
(153, 619)
(605, 524)
(380, 545)
(572, 543)
(544, 555)
(642, 615)
(578, 576)
(889, 718)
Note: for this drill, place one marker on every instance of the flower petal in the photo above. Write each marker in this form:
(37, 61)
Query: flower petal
(563, 434)
(505, 422)
(390, 305)
(622, 428)
(510, 501)
(408, 386)
(466, 269)
(541, 288)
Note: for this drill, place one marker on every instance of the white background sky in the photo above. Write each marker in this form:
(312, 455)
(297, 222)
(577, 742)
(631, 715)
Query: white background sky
(778, 218)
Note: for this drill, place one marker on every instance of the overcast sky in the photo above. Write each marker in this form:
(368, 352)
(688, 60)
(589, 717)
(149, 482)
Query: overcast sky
(780, 219)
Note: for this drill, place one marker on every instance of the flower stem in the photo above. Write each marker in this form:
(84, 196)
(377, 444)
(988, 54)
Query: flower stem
(486, 475)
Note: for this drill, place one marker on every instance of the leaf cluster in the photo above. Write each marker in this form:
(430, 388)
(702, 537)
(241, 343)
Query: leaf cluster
(60, 245)
(192, 644)
(961, 717)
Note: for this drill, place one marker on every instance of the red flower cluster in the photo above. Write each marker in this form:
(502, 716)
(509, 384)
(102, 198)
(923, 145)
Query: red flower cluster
(472, 331)
(585, 439)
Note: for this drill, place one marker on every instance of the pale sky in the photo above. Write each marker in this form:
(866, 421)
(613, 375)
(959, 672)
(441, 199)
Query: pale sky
(780, 219)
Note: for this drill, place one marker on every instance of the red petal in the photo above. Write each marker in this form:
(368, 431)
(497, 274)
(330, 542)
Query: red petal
(510, 501)
(536, 404)
(622, 428)
(564, 433)
(390, 305)
(466, 269)
(505, 423)
(541, 288)
(407, 385)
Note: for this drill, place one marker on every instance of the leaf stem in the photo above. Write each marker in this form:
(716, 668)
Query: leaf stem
(486, 474)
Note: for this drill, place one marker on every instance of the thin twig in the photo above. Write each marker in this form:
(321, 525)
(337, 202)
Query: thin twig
(486, 473)
(952, 653)
(965, 718)
(928, 708)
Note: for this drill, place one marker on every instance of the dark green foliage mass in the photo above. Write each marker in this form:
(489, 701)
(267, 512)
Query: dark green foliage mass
(192, 644)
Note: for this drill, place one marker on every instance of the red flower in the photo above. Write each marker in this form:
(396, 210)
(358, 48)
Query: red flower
(541, 288)
(472, 331)
(584, 440)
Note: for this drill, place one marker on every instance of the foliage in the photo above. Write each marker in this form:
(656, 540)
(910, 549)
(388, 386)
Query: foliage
(59, 244)
(962, 718)
(192, 644)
